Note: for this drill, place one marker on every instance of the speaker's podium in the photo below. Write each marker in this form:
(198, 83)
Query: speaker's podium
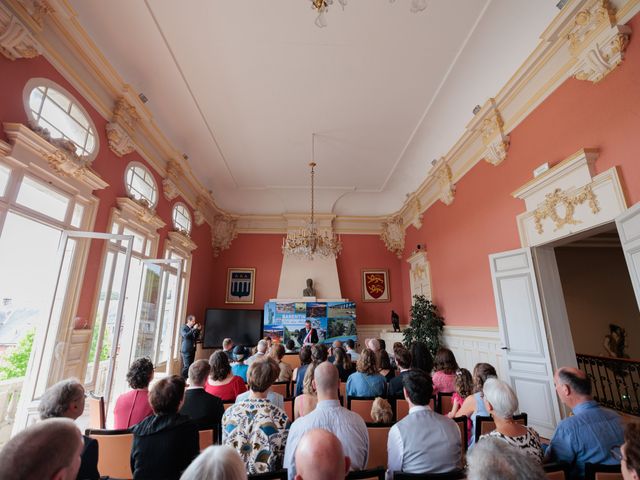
(333, 319)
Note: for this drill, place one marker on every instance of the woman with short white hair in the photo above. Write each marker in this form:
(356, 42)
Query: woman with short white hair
(218, 462)
(501, 403)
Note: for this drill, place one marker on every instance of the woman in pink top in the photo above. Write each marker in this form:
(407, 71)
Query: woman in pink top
(133, 406)
(222, 382)
(444, 378)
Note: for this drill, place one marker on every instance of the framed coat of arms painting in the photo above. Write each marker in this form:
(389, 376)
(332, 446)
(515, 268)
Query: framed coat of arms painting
(375, 285)
(240, 285)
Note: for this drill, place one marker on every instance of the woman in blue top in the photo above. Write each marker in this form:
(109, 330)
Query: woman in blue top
(474, 405)
(238, 367)
(366, 381)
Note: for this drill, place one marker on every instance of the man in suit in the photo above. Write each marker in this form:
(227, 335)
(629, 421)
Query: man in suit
(190, 332)
(204, 409)
(308, 335)
(403, 359)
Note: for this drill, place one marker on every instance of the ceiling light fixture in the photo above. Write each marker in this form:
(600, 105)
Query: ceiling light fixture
(321, 6)
(308, 241)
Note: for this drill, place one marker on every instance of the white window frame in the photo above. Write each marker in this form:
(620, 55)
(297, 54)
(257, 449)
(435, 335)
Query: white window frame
(132, 165)
(187, 213)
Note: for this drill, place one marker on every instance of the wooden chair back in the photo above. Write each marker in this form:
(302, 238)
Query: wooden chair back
(463, 424)
(556, 471)
(293, 359)
(343, 391)
(282, 388)
(444, 403)
(288, 408)
(369, 474)
(485, 424)
(378, 435)
(599, 471)
(115, 452)
(207, 438)
(454, 475)
(97, 414)
(402, 408)
(228, 404)
(362, 406)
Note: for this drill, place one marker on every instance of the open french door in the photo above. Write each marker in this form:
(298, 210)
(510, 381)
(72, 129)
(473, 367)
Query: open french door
(629, 231)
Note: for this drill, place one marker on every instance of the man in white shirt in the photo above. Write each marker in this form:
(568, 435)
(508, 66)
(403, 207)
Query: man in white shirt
(423, 441)
(261, 352)
(329, 415)
(350, 344)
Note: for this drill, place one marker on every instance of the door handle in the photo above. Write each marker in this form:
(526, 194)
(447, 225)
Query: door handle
(504, 348)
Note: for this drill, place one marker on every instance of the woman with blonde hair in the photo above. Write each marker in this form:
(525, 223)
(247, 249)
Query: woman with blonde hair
(307, 401)
(381, 411)
(366, 381)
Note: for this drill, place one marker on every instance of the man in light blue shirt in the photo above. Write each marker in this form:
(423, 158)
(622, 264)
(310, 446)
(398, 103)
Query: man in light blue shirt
(329, 415)
(592, 431)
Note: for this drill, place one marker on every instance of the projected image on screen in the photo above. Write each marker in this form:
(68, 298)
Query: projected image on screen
(244, 327)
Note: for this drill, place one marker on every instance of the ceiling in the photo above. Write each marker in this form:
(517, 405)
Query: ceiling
(240, 85)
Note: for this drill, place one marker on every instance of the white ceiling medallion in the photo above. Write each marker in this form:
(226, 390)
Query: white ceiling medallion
(322, 6)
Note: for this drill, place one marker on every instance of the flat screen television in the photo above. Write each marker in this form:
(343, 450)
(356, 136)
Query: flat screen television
(244, 327)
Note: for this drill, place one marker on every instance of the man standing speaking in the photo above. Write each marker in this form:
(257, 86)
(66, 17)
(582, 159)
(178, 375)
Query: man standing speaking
(189, 333)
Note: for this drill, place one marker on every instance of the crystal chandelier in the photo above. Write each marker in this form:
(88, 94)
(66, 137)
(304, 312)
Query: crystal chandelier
(321, 6)
(308, 242)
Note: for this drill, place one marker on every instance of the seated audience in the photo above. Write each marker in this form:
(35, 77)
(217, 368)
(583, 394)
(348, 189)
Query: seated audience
(592, 431)
(66, 399)
(384, 364)
(290, 346)
(381, 411)
(227, 347)
(47, 450)
(366, 381)
(464, 388)
(286, 372)
(257, 428)
(336, 344)
(501, 403)
(403, 360)
(218, 462)
(421, 357)
(319, 354)
(491, 459)
(630, 453)
(238, 367)
(306, 402)
(261, 351)
(343, 363)
(350, 346)
(204, 409)
(329, 415)
(320, 444)
(273, 397)
(222, 382)
(298, 372)
(133, 406)
(444, 377)
(373, 344)
(473, 405)
(165, 443)
(423, 441)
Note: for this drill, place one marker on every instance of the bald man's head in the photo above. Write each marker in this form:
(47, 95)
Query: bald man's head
(320, 444)
(327, 381)
(48, 450)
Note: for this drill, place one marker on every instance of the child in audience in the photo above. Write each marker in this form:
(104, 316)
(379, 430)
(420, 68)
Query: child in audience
(464, 388)
(444, 378)
(381, 411)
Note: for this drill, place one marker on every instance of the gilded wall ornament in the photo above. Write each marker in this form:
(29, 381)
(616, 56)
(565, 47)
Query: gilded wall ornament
(198, 214)
(170, 182)
(587, 21)
(445, 182)
(119, 140)
(493, 136)
(16, 41)
(223, 232)
(393, 235)
(560, 198)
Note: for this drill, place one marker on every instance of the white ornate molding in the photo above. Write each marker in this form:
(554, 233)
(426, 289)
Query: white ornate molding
(170, 182)
(58, 155)
(223, 232)
(140, 213)
(182, 241)
(15, 39)
(419, 274)
(489, 123)
(121, 127)
(393, 235)
(198, 213)
(446, 188)
(569, 198)
(596, 42)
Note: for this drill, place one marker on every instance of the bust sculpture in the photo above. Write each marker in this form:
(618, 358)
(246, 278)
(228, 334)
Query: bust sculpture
(309, 291)
(395, 321)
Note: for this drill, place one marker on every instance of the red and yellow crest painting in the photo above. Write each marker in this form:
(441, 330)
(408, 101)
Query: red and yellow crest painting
(375, 285)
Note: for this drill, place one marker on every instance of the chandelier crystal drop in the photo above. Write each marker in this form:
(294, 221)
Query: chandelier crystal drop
(308, 242)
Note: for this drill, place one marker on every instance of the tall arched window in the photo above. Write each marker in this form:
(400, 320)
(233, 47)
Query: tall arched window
(140, 184)
(181, 218)
(51, 107)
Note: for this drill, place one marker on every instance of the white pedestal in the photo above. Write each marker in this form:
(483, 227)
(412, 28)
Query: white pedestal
(391, 337)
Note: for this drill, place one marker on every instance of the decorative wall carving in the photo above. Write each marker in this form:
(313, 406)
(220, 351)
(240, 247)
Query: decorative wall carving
(38, 10)
(493, 135)
(419, 275)
(15, 39)
(223, 232)
(393, 235)
(596, 42)
(170, 182)
(182, 240)
(559, 198)
(120, 129)
(443, 175)
(140, 211)
(198, 213)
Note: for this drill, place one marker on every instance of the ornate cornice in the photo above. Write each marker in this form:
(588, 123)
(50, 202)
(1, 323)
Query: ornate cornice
(223, 232)
(444, 176)
(183, 241)
(489, 124)
(139, 212)
(121, 127)
(198, 212)
(170, 182)
(15, 39)
(393, 234)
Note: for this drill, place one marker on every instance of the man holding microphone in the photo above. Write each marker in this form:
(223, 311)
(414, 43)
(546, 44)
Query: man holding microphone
(189, 333)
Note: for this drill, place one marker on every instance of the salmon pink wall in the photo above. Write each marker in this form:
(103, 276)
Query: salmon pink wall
(482, 220)
(263, 252)
(110, 167)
